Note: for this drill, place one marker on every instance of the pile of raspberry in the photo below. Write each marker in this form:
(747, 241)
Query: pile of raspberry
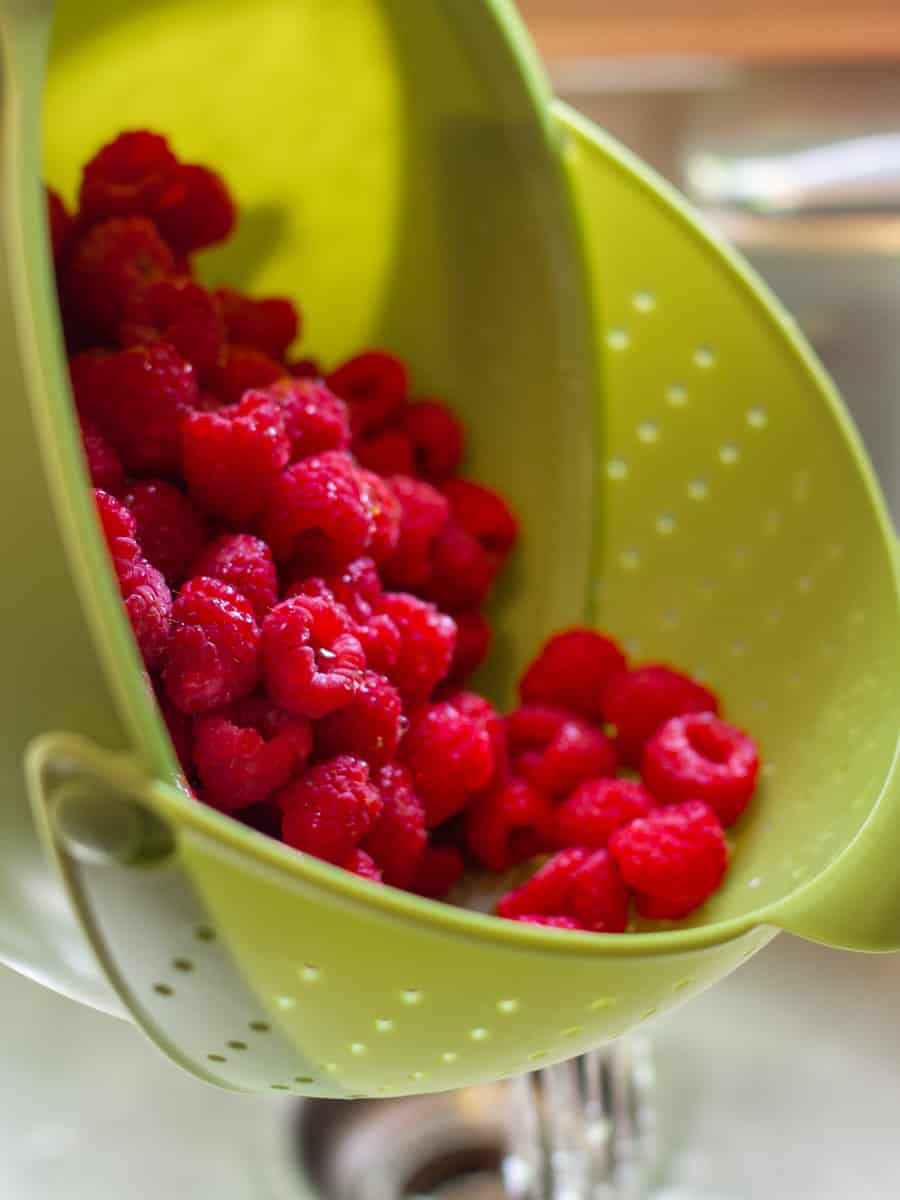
(305, 572)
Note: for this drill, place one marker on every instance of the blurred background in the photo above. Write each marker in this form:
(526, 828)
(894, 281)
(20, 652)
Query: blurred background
(782, 123)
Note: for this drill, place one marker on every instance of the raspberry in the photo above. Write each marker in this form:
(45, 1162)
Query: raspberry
(246, 563)
(239, 369)
(556, 750)
(118, 525)
(599, 898)
(104, 464)
(369, 727)
(179, 311)
(269, 325)
(423, 514)
(330, 809)
(362, 864)
(126, 177)
(137, 398)
(61, 226)
(572, 671)
(440, 867)
(549, 890)
(449, 756)
(169, 528)
(639, 701)
(461, 571)
(386, 452)
(319, 504)
(483, 514)
(436, 439)
(312, 663)
(104, 266)
(314, 418)
(148, 603)
(358, 588)
(397, 839)
(305, 368)
(374, 385)
(653, 908)
(427, 638)
(195, 210)
(549, 922)
(700, 757)
(598, 808)
(232, 458)
(248, 751)
(508, 824)
(473, 640)
(213, 647)
(385, 515)
(677, 854)
(470, 704)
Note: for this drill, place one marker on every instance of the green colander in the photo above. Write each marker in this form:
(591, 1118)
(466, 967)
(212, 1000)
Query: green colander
(686, 477)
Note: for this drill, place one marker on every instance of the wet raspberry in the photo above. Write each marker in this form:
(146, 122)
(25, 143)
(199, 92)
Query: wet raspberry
(330, 809)
(461, 571)
(397, 839)
(319, 505)
(374, 384)
(269, 324)
(573, 671)
(639, 701)
(427, 638)
(548, 922)
(118, 525)
(148, 603)
(169, 528)
(248, 751)
(61, 226)
(358, 588)
(179, 311)
(440, 867)
(449, 756)
(509, 824)
(104, 464)
(213, 647)
(385, 515)
(472, 705)
(315, 419)
(386, 452)
(195, 209)
(599, 898)
(246, 563)
(312, 662)
(700, 757)
(473, 641)
(239, 369)
(598, 808)
(368, 728)
(557, 750)
(549, 890)
(676, 855)
(362, 864)
(424, 513)
(232, 458)
(436, 439)
(103, 267)
(484, 514)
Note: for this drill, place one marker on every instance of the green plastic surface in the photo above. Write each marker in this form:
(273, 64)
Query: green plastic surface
(403, 172)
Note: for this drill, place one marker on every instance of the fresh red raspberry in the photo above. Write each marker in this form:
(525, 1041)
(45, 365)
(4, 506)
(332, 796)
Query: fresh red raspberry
(148, 603)
(427, 638)
(440, 867)
(508, 824)
(104, 464)
(137, 398)
(319, 505)
(246, 563)
(485, 515)
(385, 515)
(306, 368)
(169, 529)
(362, 864)
(549, 890)
(104, 266)
(315, 419)
(639, 701)
(436, 437)
(118, 525)
(397, 839)
(700, 757)
(374, 384)
(548, 922)
(239, 369)
(213, 647)
(599, 899)
(126, 177)
(179, 311)
(461, 571)
(449, 756)
(598, 808)
(312, 662)
(270, 324)
(573, 671)
(677, 855)
(386, 452)
(557, 750)
(424, 513)
(195, 209)
(248, 751)
(358, 588)
(368, 728)
(232, 458)
(330, 809)
(61, 226)
(472, 705)
(473, 641)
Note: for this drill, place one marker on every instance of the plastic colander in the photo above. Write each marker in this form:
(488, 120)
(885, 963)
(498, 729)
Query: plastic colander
(685, 474)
